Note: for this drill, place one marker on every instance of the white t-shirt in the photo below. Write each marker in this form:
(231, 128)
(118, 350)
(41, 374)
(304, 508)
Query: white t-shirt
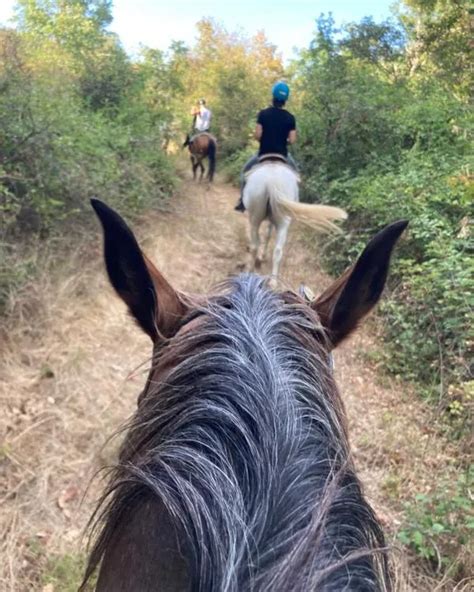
(203, 119)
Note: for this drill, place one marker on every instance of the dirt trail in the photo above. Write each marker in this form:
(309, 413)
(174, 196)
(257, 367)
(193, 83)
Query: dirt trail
(71, 378)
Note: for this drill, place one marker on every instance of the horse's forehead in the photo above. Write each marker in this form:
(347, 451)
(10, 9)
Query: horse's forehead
(202, 309)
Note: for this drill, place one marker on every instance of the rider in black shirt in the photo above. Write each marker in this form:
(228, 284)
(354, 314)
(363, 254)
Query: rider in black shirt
(276, 124)
(276, 128)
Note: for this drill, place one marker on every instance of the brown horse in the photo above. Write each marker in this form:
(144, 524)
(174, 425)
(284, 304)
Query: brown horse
(201, 146)
(236, 474)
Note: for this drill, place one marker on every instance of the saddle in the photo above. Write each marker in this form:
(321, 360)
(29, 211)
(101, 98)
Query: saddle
(271, 159)
(208, 134)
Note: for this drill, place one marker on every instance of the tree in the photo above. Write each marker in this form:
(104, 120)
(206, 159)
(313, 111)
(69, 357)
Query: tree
(73, 33)
(380, 44)
(440, 34)
(76, 25)
(346, 115)
(384, 123)
(234, 73)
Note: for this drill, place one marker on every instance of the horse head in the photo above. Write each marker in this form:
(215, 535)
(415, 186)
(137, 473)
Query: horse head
(239, 450)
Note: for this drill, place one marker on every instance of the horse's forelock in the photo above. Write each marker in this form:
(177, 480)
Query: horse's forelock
(242, 436)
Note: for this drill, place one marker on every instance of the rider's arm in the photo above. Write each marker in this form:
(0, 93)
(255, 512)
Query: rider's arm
(258, 131)
(292, 137)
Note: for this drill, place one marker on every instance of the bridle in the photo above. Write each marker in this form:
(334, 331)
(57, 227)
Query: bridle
(308, 296)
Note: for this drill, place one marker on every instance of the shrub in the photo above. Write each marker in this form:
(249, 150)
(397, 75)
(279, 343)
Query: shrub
(438, 525)
(427, 313)
(58, 147)
(234, 164)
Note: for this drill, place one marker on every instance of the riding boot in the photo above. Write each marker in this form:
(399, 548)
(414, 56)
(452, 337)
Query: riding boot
(240, 205)
(252, 161)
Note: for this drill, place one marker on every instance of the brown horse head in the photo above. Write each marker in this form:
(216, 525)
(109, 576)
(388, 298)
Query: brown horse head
(236, 472)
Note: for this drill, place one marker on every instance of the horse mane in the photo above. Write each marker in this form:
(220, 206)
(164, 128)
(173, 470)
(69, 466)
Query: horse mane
(241, 435)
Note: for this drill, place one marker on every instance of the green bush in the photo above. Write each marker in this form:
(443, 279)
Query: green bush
(438, 525)
(70, 132)
(233, 164)
(427, 328)
(60, 153)
(386, 145)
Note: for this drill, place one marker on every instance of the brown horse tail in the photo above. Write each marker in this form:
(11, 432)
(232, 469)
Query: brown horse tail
(211, 155)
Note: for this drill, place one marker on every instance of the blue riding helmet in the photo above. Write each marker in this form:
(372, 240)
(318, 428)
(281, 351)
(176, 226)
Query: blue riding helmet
(281, 91)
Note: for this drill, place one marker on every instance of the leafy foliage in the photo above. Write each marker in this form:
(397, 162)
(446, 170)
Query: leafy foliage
(75, 123)
(385, 146)
(234, 74)
(440, 42)
(80, 118)
(440, 523)
(384, 133)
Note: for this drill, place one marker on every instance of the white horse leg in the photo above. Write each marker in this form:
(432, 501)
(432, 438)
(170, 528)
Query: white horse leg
(267, 241)
(254, 244)
(282, 233)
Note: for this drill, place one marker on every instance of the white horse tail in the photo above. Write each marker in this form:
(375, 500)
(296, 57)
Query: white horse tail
(320, 217)
(271, 192)
(281, 185)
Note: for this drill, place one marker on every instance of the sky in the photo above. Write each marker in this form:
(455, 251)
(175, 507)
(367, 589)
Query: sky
(288, 24)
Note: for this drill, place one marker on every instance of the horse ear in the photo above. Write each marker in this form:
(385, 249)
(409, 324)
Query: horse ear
(155, 305)
(359, 288)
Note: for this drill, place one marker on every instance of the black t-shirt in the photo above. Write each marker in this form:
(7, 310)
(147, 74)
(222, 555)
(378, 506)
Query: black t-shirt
(276, 124)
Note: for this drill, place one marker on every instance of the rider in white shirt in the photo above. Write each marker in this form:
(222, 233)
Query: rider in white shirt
(202, 121)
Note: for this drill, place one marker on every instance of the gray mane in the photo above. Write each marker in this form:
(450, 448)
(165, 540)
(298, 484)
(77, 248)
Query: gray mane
(241, 435)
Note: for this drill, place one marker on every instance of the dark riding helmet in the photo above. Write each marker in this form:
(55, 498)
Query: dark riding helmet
(281, 91)
(201, 102)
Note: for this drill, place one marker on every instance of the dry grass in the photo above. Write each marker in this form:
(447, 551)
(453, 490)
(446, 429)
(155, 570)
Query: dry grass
(68, 381)
(63, 390)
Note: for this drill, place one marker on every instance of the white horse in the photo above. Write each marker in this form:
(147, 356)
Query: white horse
(271, 193)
